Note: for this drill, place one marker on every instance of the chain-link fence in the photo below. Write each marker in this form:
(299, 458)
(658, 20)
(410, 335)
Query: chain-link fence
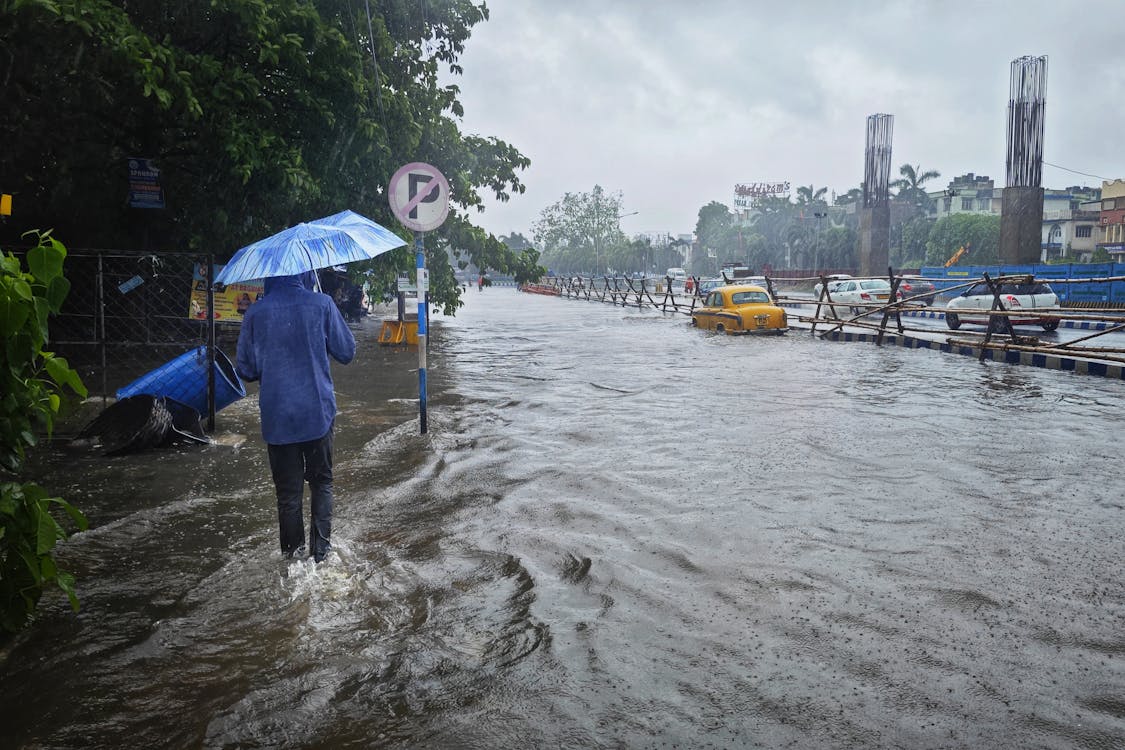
(129, 313)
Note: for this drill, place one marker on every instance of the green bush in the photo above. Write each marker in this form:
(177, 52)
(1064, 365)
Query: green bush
(33, 382)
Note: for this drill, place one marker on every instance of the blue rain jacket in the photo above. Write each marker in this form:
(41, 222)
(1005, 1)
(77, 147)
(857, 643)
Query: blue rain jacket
(285, 343)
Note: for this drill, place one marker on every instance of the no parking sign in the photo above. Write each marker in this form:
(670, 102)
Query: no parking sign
(419, 196)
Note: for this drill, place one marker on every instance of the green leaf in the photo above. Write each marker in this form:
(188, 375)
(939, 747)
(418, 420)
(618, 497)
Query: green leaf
(57, 291)
(42, 314)
(62, 374)
(76, 515)
(10, 264)
(65, 582)
(13, 314)
(30, 563)
(47, 568)
(48, 532)
(22, 289)
(45, 262)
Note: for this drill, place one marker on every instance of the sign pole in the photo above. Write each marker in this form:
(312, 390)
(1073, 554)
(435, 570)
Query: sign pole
(419, 198)
(423, 286)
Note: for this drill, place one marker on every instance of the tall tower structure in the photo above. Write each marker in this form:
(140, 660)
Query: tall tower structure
(1021, 219)
(875, 216)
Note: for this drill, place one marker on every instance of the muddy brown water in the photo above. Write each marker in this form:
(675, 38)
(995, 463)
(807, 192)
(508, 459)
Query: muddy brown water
(619, 532)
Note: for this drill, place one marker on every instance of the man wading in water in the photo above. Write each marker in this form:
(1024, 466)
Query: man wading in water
(285, 343)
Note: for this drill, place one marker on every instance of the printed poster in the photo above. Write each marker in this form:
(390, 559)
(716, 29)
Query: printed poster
(230, 303)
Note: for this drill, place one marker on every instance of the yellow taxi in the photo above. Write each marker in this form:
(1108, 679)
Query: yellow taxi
(740, 308)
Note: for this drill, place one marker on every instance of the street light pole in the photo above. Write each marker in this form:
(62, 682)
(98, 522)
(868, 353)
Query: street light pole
(816, 253)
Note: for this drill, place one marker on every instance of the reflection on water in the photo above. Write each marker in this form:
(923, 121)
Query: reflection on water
(618, 532)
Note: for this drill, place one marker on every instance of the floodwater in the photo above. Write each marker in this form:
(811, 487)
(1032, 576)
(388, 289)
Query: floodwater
(619, 532)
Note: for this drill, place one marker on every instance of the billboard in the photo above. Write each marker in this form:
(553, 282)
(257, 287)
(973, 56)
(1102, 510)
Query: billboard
(747, 194)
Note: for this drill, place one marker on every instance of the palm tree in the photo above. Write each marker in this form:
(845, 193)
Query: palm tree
(807, 195)
(910, 185)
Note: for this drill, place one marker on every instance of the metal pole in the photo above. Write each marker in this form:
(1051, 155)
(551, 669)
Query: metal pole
(423, 284)
(99, 331)
(210, 276)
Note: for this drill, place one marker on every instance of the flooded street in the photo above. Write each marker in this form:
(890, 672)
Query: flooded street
(619, 532)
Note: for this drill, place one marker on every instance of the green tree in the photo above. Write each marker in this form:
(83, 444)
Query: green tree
(910, 185)
(947, 234)
(515, 241)
(915, 233)
(855, 195)
(838, 248)
(807, 195)
(34, 383)
(773, 220)
(258, 114)
(718, 237)
(581, 232)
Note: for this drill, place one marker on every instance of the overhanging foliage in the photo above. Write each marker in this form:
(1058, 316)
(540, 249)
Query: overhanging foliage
(258, 114)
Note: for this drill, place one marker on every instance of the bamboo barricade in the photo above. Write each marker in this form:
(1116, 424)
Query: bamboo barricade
(637, 292)
(998, 335)
(628, 292)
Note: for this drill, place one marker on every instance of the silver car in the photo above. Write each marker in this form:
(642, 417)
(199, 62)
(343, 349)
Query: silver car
(834, 282)
(862, 294)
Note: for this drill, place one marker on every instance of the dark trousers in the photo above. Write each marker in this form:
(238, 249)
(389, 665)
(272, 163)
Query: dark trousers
(292, 465)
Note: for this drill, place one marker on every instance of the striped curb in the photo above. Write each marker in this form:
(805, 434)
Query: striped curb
(1047, 361)
(1082, 325)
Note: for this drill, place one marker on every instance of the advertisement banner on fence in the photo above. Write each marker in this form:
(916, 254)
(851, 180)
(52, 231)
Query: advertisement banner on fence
(230, 303)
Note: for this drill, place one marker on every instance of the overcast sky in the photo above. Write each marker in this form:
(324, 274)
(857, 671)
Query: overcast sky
(672, 103)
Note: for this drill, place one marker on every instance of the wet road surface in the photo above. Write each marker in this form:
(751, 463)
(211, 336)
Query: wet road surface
(619, 532)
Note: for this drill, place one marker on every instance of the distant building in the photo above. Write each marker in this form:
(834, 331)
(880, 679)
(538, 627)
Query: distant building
(1070, 221)
(1111, 219)
(1070, 215)
(967, 194)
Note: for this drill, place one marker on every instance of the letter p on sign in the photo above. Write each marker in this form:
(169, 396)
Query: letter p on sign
(419, 196)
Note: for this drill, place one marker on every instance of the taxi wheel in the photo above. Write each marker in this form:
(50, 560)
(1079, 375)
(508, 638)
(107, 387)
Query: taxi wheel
(952, 321)
(1051, 325)
(720, 328)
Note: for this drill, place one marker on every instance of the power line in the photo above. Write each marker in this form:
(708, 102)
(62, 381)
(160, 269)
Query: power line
(1067, 169)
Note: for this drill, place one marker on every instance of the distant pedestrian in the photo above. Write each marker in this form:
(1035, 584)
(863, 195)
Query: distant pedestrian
(285, 343)
(689, 285)
(480, 283)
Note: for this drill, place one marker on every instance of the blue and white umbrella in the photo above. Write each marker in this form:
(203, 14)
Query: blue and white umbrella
(334, 240)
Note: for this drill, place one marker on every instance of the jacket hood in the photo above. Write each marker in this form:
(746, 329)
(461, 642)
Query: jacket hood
(306, 280)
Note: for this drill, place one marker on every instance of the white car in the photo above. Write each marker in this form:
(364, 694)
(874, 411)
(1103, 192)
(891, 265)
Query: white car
(862, 294)
(1036, 299)
(834, 281)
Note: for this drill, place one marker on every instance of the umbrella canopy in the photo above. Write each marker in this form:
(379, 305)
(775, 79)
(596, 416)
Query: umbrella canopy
(334, 240)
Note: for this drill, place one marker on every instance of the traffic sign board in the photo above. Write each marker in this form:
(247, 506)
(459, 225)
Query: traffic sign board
(419, 196)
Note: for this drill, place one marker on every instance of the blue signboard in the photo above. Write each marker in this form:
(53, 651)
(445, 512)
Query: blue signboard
(144, 184)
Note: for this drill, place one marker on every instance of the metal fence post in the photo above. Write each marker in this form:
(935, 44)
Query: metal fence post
(99, 325)
(210, 343)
